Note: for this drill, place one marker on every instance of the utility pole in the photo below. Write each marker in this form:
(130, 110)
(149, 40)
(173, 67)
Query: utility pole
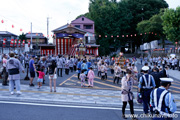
(47, 29)
(31, 45)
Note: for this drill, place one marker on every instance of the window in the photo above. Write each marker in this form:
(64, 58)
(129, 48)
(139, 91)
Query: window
(87, 26)
(78, 26)
(86, 38)
(82, 19)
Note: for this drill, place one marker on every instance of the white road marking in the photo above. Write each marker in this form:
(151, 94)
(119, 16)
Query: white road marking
(70, 106)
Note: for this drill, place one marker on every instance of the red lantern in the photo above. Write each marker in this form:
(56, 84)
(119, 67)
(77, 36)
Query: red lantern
(2, 21)
(122, 35)
(54, 35)
(87, 35)
(131, 35)
(4, 42)
(29, 32)
(152, 32)
(12, 26)
(51, 35)
(176, 48)
(29, 43)
(155, 34)
(20, 29)
(171, 48)
(23, 43)
(176, 43)
(149, 32)
(19, 43)
(47, 35)
(72, 45)
(15, 42)
(12, 41)
(112, 36)
(141, 34)
(117, 35)
(99, 35)
(126, 35)
(106, 36)
(134, 34)
(145, 33)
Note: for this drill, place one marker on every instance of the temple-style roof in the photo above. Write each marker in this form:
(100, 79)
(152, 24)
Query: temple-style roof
(68, 28)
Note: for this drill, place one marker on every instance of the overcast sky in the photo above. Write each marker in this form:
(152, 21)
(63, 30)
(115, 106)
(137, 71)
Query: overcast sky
(21, 13)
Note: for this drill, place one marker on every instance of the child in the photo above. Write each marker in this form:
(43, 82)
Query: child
(91, 77)
(40, 77)
(82, 77)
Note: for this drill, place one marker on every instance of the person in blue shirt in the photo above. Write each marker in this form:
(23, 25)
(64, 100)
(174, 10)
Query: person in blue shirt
(88, 65)
(32, 69)
(146, 85)
(162, 101)
(79, 68)
(84, 67)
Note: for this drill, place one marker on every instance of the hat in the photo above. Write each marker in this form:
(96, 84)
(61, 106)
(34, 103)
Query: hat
(33, 56)
(166, 79)
(145, 68)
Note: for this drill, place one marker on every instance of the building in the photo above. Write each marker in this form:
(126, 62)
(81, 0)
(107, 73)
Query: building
(40, 44)
(69, 37)
(8, 36)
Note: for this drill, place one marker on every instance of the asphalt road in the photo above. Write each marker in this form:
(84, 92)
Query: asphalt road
(33, 111)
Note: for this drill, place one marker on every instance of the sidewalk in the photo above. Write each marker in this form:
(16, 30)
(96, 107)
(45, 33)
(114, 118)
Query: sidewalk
(81, 96)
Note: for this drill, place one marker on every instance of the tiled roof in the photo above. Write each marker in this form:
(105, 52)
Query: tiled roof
(7, 33)
(35, 35)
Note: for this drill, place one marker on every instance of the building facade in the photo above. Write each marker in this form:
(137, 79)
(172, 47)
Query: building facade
(76, 37)
(7, 48)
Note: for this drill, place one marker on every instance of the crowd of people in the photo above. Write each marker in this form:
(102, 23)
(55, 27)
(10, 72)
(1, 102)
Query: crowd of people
(152, 80)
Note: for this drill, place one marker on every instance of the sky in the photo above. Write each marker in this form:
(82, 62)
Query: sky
(21, 13)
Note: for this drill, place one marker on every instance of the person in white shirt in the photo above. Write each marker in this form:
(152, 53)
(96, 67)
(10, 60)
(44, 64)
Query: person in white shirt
(173, 64)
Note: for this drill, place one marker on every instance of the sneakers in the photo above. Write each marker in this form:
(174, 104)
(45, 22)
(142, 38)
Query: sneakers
(19, 93)
(12, 93)
(31, 84)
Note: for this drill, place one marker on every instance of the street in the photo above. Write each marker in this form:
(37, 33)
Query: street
(35, 111)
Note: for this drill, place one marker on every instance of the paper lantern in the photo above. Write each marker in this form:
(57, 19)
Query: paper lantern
(141, 34)
(4, 42)
(176, 48)
(11, 43)
(131, 35)
(112, 36)
(117, 35)
(149, 32)
(126, 35)
(99, 35)
(12, 26)
(29, 32)
(105, 35)
(2, 21)
(19, 43)
(176, 43)
(23, 43)
(54, 35)
(122, 35)
(145, 33)
(20, 29)
(134, 34)
(15, 42)
(152, 32)
(29, 43)
(155, 34)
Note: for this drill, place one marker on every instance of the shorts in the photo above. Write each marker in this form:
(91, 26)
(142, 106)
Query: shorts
(40, 80)
(53, 76)
(32, 74)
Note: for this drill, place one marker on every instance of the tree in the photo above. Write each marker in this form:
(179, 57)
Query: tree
(23, 37)
(120, 18)
(171, 24)
(152, 27)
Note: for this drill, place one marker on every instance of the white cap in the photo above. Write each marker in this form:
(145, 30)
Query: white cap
(166, 79)
(145, 68)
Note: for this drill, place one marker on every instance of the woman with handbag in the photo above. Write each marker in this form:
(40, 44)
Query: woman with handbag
(52, 75)
(127, 95)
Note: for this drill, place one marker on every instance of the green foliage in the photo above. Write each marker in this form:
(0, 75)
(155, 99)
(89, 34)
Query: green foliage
(154, 24)
(23, 37)
(171, 24)
(120, 18)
